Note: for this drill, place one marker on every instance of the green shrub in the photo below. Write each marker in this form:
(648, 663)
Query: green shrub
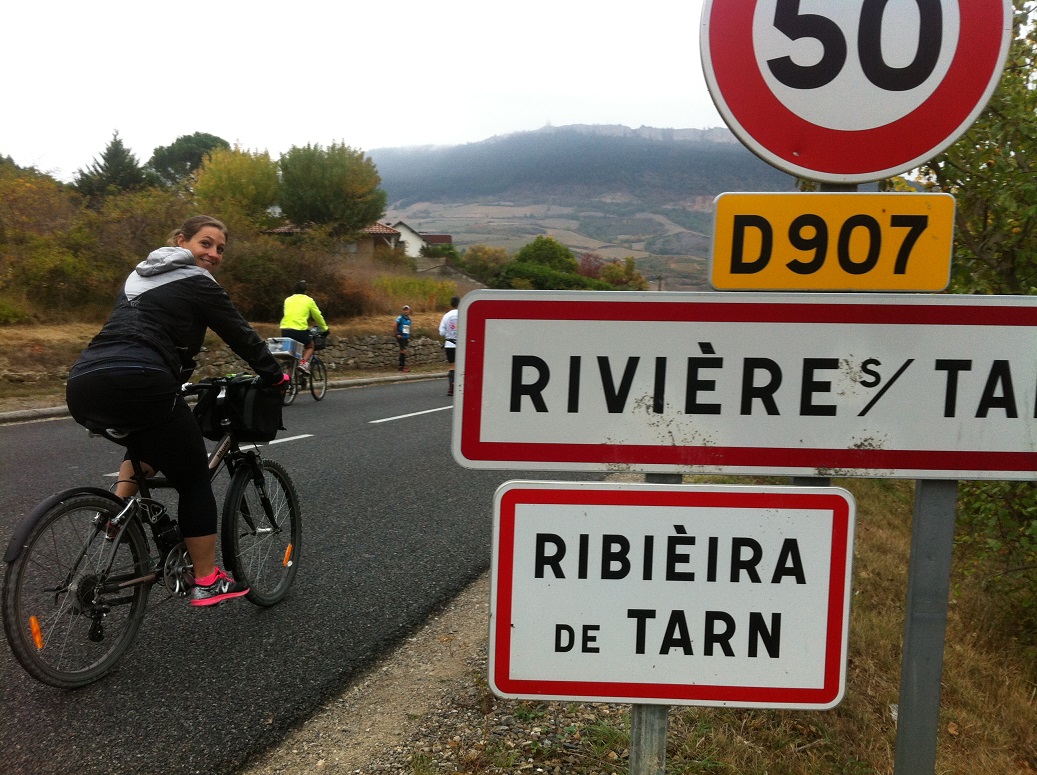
(12, 313)
(523, 276)
(997, 528)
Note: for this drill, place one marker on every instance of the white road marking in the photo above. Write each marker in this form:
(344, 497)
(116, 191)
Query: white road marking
(412, 414)
(289, 438)
(248, 444)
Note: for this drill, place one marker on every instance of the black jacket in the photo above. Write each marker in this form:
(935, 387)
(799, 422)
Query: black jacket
(161, 316)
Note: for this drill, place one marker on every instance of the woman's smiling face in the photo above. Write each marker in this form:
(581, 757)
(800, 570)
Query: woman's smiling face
(206, 246)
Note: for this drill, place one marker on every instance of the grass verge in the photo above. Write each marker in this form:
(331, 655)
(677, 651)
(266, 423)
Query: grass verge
(988, 718)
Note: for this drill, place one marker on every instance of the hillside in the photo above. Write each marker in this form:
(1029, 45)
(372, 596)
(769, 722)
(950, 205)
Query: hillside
(608, 190)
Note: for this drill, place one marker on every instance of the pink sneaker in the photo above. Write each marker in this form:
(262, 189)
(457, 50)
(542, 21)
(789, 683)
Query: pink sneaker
(222, 588)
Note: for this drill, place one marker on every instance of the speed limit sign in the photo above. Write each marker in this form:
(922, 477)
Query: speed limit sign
(855, 90)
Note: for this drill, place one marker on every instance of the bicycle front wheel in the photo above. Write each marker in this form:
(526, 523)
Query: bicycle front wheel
(65, 618)
(318, 379)
(293, 387)
(262, 528)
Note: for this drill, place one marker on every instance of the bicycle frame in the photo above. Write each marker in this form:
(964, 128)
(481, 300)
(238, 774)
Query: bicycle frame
(226, 451)
(80, 566)
(299, 380)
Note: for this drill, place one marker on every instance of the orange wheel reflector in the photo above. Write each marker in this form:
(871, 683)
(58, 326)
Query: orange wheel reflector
(287, 556)
(37, 633)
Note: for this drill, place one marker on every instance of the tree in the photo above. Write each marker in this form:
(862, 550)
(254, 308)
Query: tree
(623, 274)
(482, 261)
(117, 170)
(174, 163)
(337, 187)
(38, 268)
(992, 173)
(526, 275)
(591, 265)
(447, 251)
(33, 204)
(548, 252)
(233, 183)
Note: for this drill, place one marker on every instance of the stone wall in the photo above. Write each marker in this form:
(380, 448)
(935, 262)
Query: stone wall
(369, 353)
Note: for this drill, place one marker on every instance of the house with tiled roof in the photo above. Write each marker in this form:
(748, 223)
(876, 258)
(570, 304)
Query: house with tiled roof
(410, 239)
(416, 241)
(437, 239)
(375, 235)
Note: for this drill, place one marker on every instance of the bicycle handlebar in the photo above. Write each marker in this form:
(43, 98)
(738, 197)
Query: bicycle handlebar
(216, 383)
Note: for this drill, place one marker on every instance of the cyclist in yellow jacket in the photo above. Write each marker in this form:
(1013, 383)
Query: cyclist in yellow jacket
(299, 310)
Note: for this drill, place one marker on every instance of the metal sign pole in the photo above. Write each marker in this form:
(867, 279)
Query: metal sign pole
(925, 626)
(648, 723)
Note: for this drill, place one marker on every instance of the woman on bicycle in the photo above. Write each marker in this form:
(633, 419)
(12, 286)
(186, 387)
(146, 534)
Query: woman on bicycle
(299, 310)
(130, 375)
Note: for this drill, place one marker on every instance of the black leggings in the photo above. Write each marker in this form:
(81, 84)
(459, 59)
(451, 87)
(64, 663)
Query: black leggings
(164, 433)
(298, 335)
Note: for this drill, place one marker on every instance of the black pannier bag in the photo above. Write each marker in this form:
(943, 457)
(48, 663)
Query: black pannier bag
(251, 411)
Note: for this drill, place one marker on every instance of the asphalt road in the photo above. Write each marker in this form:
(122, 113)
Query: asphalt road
(393, 528)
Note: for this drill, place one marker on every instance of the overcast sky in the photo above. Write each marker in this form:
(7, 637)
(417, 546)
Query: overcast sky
(269, 75)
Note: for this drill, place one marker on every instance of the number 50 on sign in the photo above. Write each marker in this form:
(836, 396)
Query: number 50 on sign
(854, 90)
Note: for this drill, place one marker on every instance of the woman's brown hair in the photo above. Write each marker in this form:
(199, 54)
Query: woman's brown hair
(194, 225)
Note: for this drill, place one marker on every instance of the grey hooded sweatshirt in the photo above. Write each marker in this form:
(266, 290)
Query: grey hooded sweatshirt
(160, 319)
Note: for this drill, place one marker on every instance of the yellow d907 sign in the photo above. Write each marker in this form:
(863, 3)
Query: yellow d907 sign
(832, 242)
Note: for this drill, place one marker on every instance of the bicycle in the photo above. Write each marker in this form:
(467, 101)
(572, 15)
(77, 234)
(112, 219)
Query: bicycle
(299, 380)
(80, 566)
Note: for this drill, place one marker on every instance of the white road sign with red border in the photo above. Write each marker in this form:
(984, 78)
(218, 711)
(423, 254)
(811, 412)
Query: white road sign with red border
(855, 90)
(905, 386)
(696, 595)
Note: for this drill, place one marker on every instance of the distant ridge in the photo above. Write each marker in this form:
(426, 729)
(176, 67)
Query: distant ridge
(711, 135)
(605, 189)
(587, 160)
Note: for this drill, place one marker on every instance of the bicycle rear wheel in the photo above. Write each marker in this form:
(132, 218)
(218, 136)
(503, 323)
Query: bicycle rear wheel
(261, 546)
(318, 379)
(66, 623)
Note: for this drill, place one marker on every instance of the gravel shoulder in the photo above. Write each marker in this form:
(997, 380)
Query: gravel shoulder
(368, 727)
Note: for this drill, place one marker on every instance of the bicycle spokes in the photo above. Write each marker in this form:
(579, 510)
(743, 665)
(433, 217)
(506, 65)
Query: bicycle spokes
(73, 599)
(261, 531)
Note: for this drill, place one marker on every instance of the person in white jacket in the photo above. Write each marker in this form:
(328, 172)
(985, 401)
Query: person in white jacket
(448, 330)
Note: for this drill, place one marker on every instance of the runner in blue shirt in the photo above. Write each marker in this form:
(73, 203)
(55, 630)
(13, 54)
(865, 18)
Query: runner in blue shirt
(402, 333)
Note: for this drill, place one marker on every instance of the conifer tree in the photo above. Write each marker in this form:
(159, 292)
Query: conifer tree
(117, 170)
